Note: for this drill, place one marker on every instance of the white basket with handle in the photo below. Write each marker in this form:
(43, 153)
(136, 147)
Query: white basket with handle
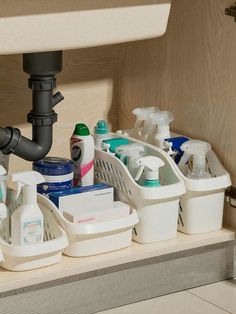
(157, 207)
(26, 257)
(87, 239)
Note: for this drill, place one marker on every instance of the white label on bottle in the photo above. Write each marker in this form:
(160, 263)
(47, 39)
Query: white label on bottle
(32, 232)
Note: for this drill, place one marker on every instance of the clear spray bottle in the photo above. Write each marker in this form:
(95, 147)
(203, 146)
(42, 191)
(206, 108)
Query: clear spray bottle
(198, 150)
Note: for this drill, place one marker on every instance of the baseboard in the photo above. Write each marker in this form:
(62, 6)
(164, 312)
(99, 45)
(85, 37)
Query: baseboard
(110, 287)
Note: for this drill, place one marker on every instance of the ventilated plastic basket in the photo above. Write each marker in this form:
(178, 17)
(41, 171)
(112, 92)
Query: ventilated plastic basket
(201, 208)
(157, 207)
(87, 239)
(26, 257)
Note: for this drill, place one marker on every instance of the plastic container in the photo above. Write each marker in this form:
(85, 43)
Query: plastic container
(157, 207)
(201, 208)
(57, 172)
(26, 257)
(82, 155)
(87, 239)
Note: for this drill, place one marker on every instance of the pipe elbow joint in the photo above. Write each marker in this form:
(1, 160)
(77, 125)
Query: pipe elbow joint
(31, 150)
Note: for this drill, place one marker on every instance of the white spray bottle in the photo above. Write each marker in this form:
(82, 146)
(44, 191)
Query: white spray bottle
(151, 166)
(162, 120)
(27, 220)
(128, 154)
(198, 149)
(141, 126)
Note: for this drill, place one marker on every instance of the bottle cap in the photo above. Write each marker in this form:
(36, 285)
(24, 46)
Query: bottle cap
(101, 127)
(81, 129)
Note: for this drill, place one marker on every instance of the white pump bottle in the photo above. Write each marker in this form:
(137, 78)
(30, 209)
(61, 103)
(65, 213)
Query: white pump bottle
(27, 220)
(162, 120)
(151, 166)
(198, 149)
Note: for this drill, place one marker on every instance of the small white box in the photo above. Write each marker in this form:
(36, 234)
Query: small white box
(117, 211)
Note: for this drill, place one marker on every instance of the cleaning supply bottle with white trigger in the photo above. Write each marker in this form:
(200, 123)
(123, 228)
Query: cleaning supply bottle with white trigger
(27, 220)
(150, 165)
(198, 150)
(82, 155)
(161, 119)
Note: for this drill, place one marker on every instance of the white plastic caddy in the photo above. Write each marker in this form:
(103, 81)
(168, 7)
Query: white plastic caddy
(157, 207)
(95, 238)
(201, 208)
(26, 257)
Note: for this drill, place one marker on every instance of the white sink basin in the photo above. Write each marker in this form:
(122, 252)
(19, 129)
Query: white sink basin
(31, 26)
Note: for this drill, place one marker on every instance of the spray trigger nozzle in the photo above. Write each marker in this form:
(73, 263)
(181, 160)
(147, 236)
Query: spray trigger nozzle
(151, 165)
(26, 178)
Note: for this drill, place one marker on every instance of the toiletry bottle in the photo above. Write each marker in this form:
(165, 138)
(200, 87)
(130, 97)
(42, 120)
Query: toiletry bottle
(101, 132)
(141, 123)
(162, 120)
(4, 213)
(128, 154)
(27, 220)
(150, 165)
(198, 149)
(82, 155)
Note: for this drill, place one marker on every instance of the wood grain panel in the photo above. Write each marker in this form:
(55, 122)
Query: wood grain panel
(190, 71)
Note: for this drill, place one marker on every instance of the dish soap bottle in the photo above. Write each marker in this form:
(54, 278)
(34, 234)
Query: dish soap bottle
(101, 132)
(198, 149)
(150, 165)
(27, 220)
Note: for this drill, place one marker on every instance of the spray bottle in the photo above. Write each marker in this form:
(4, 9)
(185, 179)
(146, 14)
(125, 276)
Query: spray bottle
(82, 155)
(128, 154)
(162, 120)
(198, 149)
(141, 126)
(151, 166)
(27, 219)
(101, 132)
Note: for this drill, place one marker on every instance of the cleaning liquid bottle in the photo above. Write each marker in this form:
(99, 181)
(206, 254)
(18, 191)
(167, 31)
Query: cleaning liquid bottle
(82, 155)
(161, 119)
(101, 132)
(140, 125)
(4, 219)
(27, 220)
(128, 154)
(150, 165)
(198, 149)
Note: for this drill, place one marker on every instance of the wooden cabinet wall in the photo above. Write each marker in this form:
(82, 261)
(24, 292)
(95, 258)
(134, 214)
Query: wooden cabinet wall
(190, 71)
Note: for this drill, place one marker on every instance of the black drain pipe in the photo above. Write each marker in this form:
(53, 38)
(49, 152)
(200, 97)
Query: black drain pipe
(42, 68)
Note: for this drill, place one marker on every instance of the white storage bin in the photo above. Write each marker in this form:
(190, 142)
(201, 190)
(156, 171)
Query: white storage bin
(201, 208)
(95, 238)
(26, 257)
(157, 208)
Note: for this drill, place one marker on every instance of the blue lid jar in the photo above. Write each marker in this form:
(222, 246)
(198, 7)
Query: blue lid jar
(58, 174)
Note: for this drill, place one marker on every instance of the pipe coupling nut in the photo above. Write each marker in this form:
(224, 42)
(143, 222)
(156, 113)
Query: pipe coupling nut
(45, 119)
